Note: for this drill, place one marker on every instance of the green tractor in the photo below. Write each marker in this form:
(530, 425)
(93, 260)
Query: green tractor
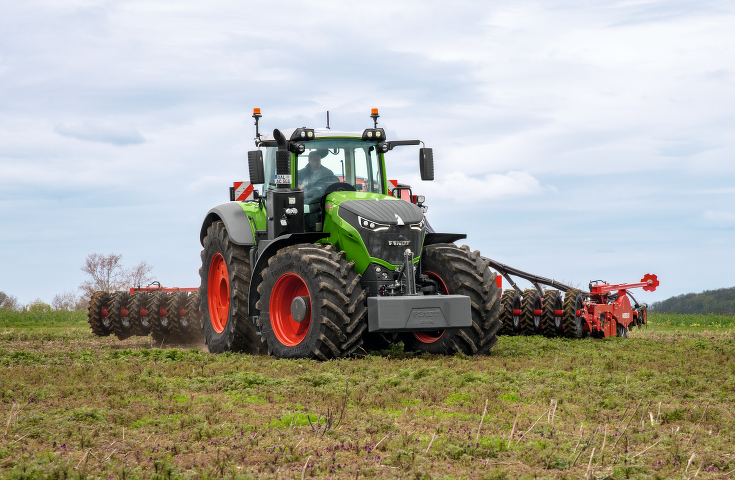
(326, 260)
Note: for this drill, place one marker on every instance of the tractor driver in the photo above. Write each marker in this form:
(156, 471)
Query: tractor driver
(312, 173)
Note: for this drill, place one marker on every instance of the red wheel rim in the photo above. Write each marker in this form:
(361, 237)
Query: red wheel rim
(287, 330)
(218, 293)
(431, 337)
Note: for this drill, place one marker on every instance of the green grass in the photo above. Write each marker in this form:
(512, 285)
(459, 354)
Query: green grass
(77, 406)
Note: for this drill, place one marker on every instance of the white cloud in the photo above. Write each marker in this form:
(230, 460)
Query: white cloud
(101, 131)
(719, 218)
(468, 189)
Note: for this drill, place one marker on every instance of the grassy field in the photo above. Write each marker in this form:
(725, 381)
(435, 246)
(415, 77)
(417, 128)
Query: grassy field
(656, 405)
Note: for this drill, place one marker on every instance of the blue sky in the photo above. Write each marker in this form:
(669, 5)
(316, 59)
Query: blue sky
(576, 140)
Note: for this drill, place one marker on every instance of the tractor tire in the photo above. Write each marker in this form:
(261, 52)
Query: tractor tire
(99, 325)
(573, 325)
(510, 301)
(622, 331)
(334, 316)
(530, 323)
(553, 325)
(135, 304)
(461, 272)
(159, 333)
(223, 295)
(191, 323)
(122, 327)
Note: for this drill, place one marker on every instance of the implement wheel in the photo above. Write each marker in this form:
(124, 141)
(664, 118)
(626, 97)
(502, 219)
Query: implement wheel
(99, 323)
(531, 312)
(461, 272)
(159, 333)
(573, 323)
(553, 314)
(175, 302)
(191, 330)
(120, 316)
(137, 303)
(311, 303)
(223, 294)
(510, 313)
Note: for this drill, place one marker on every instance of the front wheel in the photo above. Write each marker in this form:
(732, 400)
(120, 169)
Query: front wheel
(461, 272)
(311, 303)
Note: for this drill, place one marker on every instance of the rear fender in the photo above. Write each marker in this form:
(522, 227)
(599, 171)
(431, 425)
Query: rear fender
(236, 222)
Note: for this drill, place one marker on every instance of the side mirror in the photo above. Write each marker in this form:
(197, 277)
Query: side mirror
(426, 163)
(255, 164)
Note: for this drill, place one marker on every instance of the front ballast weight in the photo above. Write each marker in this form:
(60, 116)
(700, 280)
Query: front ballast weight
(604, 311)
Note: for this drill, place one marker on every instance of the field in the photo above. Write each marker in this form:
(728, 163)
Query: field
(659, 404)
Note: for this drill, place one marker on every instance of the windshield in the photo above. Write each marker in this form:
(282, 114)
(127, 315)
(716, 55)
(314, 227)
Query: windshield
(331, 161)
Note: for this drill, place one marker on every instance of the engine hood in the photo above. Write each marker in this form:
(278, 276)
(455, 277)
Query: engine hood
(385, 211)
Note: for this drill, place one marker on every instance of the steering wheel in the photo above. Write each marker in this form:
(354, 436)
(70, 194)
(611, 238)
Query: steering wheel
(317, 189)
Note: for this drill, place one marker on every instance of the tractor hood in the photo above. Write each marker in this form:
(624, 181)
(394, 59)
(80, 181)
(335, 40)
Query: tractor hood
(386, 211)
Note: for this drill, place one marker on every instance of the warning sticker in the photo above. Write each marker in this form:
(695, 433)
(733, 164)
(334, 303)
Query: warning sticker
(243, 191)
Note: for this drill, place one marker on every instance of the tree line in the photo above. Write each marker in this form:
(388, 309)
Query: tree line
(103, 273)
(720, 301)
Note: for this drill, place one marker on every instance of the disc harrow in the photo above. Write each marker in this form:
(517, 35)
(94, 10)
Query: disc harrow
(603, 311)
(165, 313)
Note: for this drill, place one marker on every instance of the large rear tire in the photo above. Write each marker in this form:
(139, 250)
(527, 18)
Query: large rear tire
(223, 294)
(461, 272)
(319, 280)
(530, 321)
(553, 314)
(98, 322)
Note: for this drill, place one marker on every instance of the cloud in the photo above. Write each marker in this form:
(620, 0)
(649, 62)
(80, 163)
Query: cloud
(467, 189)
(719, 218)
(103, 132)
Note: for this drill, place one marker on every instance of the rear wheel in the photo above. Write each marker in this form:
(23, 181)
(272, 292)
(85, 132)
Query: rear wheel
(99, 322)
(510, 314)
(573, 321)
(311, 303)
(223, 294)
(531, 312)
(553, 314)
(461, 272)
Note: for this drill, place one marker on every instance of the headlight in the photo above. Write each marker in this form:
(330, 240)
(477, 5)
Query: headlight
(418, 226)
(420, 199)
(370, 225)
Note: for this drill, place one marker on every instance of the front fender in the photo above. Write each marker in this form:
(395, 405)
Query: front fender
(236, 222)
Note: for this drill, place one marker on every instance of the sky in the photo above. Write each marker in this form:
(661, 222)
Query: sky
(575, 140)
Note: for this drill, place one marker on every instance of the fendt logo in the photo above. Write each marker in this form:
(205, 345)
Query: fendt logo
(399, 242)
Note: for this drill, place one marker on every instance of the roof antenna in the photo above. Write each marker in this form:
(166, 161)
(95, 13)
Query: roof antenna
(328, 120)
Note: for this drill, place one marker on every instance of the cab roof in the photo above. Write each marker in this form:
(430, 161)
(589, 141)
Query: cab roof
(318, 133)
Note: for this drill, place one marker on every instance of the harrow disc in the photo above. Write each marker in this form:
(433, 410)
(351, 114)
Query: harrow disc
(99, 322)
(510, 312)
(553, 314)
(531, 312)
